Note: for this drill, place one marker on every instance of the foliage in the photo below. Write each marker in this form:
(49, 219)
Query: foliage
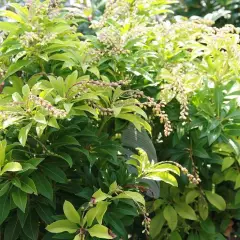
(67, 105)
(220, 11)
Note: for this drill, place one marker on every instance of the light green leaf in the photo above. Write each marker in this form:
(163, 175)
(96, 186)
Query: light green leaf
(170, 215)
(227, 162)
(62, 226)
(163, 176)
(191, 195)
(17, 97)
(11, 167)
(20, 199)
(40, 118)
(99, 231)
(58, 85)
(175, 236)
(95, 71)
(53, 123)
(164, 167)
(8, 26)
(113, 187)
(71, 213)
(216, 200)
(136, 197)
(100, 196)
(185, 211)
(71, 80)
(101, 209)
(22, 137)
(3, 145)
(157, 224)
(237, 184)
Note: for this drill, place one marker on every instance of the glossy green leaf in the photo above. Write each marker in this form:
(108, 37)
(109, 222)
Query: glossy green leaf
(136, 197)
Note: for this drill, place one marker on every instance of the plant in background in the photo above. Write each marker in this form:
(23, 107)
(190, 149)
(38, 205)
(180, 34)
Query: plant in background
(88, 122)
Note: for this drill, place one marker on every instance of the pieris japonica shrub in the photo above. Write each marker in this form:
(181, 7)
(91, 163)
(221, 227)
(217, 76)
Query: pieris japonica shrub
(90, 123)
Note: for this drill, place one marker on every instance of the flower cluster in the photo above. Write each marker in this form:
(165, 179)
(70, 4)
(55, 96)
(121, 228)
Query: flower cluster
(58, 113)
(29, 38)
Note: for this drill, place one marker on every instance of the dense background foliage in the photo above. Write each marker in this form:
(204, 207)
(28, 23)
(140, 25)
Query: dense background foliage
(95, 110)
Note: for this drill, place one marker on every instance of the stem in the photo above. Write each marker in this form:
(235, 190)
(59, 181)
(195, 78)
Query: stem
(103, 125)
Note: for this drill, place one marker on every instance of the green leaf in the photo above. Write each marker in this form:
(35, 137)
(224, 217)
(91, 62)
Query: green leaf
(99, 231)
(53, 123)
(227, 162)
(28, 185)
(200, 152)
(45, 213)
(3, 145)
(216, 200)
(40, 118)
(77, 237)
(191, 195)
(44, 187)
(16, 67)
(5, 208)
(11, 167)
(31, 227)
(71, 80)
(170, 215)
(62, 226)
(163, 176)
(156, 224)
(208, 226)
(58, 85)
(113, 187)
(136, 197)
(100, 196)
(55, 173)
(8, 26)
(175, 236)
(237, 198)
(71, 213)
(203, 208)
(185, 211)
(237, 184)
(66, 157)
(95, 71)
(12, 229)
(4, 188)
(20, 199)
(164, 167)
(22, 137)
(101, 209)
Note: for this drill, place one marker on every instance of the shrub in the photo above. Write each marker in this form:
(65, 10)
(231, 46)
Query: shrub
(88, 122)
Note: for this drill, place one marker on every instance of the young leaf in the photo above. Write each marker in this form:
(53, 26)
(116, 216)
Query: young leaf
(216, 200)
(100, 196)
(11, 167)
(227, 162)
(62, 226)
(100, 231)
(136, 197)
(170, 215)
(22, 137)
(71, 213)
(3, 145)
